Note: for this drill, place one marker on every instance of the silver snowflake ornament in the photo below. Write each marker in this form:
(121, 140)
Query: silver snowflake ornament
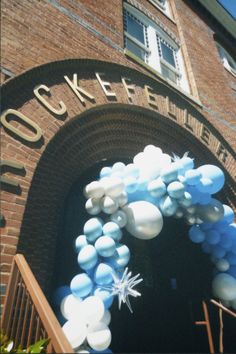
(123, 287)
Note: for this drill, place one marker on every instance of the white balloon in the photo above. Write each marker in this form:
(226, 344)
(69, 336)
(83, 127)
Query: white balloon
(109, 205)
(94, 190)
(92, 309)
(106, 319)
(70, 306)
(75, 331)
(120, 218)
(99, 336)
(144, 219)
(122, 199)
(114, 186)
(93, 206)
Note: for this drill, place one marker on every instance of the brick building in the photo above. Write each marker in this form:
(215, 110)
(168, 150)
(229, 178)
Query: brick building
(88, 82)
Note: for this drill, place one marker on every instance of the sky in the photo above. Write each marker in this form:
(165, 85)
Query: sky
(230, 6)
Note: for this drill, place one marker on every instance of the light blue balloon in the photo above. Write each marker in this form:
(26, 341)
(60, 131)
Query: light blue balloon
(131, 170)
(192, 177)
(105, 172)
(112, 230)
(224, 286)
(228, 218)
(118, 166)
(205, 185)
(196, 235)
(186, 200)
(142, 184)
(81, 285)
(105, 296)
(194, 193)
(130, 184)
(204, 198)
(121, 257)
(60, 293)
(103, 274)
(212, 237)
(80, 242)
(168, 206)
(222, 265)
(169, 173)
(176, 190)
(157, 188)
(215, 174)
(93, 229)
(87, 257)
(105, 246)
(187, 163)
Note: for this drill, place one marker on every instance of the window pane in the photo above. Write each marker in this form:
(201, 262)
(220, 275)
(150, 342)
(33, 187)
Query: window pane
(167, 54)
(134, 48)
(135, 29)
(168, 73)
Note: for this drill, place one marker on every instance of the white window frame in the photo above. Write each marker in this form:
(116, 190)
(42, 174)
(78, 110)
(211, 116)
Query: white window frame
(162, 5)
(225, 58)
(152, 57)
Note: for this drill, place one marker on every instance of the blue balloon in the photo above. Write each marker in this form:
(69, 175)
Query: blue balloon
(105, 296)
(131, 170)
(112, 230)
(192, 177)
(212, 237)
(217, 251)
(196, 235)
(176, 190)
(121, 257)
(206, 226)
(204, 198)
(215, 174)
(93, 229)
(157, 188)
(131, 184)
(87, 257)
(194, 193)
(169, 173)
(105, 172)
(232, 270)
(187, 163)
(206, 247)
(80, 242)
(205, 185)
(81, 285)
(60, 293)
(231, 258)
(105, 246)
(228, 218)
(142, 183)
(103, 274)
(186, 200)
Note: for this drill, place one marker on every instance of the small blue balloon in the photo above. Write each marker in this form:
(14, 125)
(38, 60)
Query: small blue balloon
(232, 270)
(80, 242)
(169, 173)
(121, 257)
(187, 163)
(157, 188)
(105, 246)
(81, 285)
(212, 237)
(196, 235)
(205, 185)
(142, 183)
(112, 230)
(130, 184)
(93, 229)
(206, 247)
(60, 293)
(105, 296)
(103, 274)
(176, 190)
(204, 198)
(217, 251)
(231, 258)
(215, 174)
(87, 257)
(168, 206)
(194, 193)
(186, 200)
(105, 172)
(193, 177)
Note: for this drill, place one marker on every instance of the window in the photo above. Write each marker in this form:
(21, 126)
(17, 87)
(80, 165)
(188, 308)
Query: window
(150, 43)
(162, 5)
(228, 62)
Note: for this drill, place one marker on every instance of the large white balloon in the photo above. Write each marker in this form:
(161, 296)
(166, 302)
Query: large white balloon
(99, 336)
(70, 306)
(75, 331)
(92, 309)
(144, 219)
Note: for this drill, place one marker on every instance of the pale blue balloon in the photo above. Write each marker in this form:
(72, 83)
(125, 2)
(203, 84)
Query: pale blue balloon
(121, 257)
(105, 296)
(87, 257)
(80, 242)
(168, 206)
(228, 218)
(118, 166)
(205, 185)
(169, 173)
(157, 188)
(93, 229)
(212, 237)
(131, 170)
(215, 174)
(194, 193)
(176, 190)
(130, 184)
(105, 246)
(81, 285)
(187, 163)
(204, 198)
(142, 183)
(112, 230)
(224, 286)
(105, 172)
(192, 177)
(186, 200)
(103, 274)
(196, 235)
(222, 265)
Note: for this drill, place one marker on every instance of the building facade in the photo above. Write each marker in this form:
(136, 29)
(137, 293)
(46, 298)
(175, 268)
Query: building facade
(84, 81)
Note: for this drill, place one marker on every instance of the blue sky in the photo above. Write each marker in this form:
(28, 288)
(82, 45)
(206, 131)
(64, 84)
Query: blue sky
(230, 6)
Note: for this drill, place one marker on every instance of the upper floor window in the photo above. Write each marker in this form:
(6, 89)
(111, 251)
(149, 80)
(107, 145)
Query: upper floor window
(162, 5)
(227, 60)
(150, 43)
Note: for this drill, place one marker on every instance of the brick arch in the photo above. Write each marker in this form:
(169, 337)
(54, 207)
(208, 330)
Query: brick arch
(112, 132)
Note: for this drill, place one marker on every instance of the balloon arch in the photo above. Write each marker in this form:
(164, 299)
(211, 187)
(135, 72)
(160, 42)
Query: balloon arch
(137, 196)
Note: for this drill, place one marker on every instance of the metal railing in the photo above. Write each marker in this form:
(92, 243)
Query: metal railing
(27, 315)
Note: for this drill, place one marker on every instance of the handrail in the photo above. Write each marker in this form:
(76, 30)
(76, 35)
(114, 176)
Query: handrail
(27, 315)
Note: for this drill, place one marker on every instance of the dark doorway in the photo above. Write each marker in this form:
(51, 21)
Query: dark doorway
(177, 277)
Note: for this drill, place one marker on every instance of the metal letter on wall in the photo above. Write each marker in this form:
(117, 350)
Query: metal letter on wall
(27, 122)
